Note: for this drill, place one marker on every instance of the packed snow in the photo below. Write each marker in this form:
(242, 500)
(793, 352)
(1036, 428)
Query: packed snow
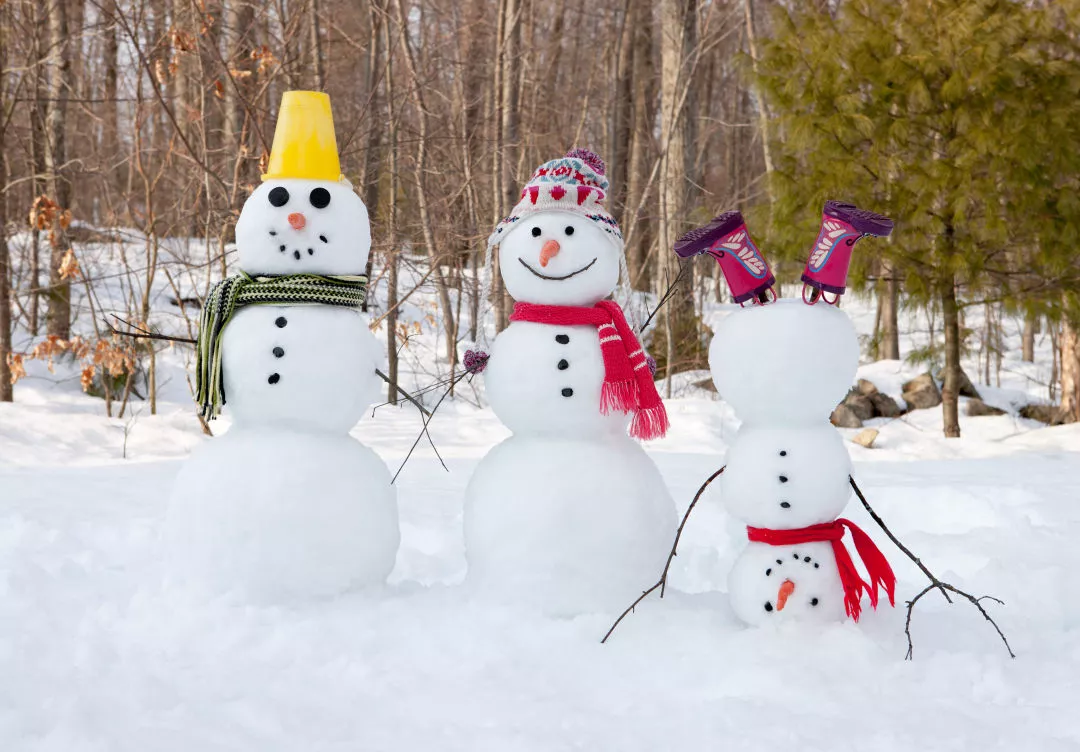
(100, 651)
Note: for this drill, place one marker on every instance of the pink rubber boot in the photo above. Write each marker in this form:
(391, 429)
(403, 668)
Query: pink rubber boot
(842, 225)
(727, 240)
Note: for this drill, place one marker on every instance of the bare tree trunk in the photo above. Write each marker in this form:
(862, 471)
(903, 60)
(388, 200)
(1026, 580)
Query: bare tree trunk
(369, 181)
(641, 149)
(1027, 341)
(468, 93)
(6, 390)
(58, 316)
(38, 147)
(509, 65)
(186, 92)
(678, 42)
(762, 108)
(419, 172)
(110, 125)
(624, 110)
(392, 252)
(1070, 370)
(888, 309)
(315, 46)
(950, 391)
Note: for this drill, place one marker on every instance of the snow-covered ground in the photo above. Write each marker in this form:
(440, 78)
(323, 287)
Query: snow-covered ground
(96, 653)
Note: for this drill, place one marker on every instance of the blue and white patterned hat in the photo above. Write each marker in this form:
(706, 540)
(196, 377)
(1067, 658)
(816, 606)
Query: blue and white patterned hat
(574, 183)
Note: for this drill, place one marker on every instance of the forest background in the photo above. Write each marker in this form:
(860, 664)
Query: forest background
(144, 123)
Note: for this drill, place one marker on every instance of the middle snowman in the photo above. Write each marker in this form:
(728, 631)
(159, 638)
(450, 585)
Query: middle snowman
(569, 515)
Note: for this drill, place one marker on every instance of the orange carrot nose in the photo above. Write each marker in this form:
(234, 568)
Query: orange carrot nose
(549, 251)
(786, 589)
(296, 219)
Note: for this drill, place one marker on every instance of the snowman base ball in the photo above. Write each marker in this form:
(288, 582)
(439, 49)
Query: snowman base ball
(276, 515)
(566, 526)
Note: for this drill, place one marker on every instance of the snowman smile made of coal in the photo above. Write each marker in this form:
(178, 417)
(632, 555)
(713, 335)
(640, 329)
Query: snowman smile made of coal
(568, 514)
(286, 504)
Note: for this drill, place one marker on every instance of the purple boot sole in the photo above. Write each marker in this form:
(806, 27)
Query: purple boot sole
(866, 222)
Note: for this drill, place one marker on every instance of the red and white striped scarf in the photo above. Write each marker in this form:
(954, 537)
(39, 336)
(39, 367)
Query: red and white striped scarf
(628, 384)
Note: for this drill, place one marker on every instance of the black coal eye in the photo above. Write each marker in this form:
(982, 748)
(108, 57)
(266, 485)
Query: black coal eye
(320, 198)
(569, 229)
(279, 196)
(536, 232)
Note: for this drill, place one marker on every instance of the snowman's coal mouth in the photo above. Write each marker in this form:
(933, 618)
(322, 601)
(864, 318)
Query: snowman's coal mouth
(557, 279)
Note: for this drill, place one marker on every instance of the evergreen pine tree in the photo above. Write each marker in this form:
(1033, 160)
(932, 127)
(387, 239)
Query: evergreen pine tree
(958, 118)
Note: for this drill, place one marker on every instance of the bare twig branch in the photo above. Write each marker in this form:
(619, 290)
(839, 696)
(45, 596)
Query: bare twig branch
(137, 332)
(662, 582)
(944, 587)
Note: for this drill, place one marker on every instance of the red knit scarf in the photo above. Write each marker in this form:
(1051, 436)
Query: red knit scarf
(876, 565)
(628, 384)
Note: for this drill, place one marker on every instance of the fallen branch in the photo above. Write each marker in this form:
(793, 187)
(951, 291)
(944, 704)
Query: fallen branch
(662, 582)
(935, 583)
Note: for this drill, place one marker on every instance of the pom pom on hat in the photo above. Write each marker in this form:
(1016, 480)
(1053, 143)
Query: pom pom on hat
(590, 158)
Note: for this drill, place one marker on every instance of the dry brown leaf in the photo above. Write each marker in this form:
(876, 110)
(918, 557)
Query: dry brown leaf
(18, 368)
(69, 265)
(87, 377)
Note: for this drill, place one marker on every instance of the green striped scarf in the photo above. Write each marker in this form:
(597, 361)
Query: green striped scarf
(232, 293)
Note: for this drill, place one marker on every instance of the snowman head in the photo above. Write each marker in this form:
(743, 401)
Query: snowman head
(297, 226)
(558, 258)
(305, 217)
(559, 245)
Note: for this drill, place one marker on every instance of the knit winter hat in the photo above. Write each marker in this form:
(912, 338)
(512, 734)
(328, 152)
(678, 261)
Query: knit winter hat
(574, 183)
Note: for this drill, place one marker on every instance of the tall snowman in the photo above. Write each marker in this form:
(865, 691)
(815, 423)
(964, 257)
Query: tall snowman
(569, 514)
(286, 504)
(783, 366)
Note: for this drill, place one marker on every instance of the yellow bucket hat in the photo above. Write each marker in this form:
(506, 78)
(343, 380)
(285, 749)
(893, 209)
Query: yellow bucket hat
(304, 142)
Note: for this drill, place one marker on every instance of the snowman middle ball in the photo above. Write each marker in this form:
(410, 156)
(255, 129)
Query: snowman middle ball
(786, 478)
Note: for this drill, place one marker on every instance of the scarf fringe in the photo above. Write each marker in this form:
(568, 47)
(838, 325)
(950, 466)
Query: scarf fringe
(650, 423)
(618, 395)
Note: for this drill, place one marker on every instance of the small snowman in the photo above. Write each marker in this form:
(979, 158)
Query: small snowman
(569, 514)
(287, 504)
(783, 366)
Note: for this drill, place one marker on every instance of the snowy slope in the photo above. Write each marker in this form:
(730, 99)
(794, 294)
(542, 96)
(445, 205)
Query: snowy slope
(96, 653)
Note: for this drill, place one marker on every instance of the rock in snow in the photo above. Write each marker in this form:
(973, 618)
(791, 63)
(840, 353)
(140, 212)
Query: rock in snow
(922, 392)
(976, 408)
(860, 404)
(844, 417)
(885, 406)
(1049, 414)
(866, 437)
